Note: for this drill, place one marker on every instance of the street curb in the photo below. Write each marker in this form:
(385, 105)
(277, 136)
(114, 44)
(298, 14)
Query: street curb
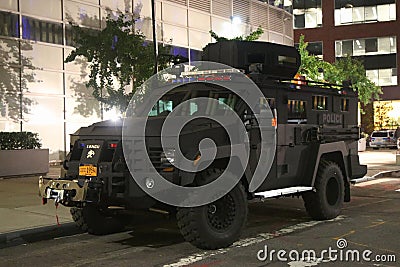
(386, 174)
(19, 237)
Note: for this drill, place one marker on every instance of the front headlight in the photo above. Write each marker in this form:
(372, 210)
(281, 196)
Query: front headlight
(168, 156)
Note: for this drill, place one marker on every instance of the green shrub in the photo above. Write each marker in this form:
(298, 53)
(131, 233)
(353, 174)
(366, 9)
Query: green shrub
(19, 140)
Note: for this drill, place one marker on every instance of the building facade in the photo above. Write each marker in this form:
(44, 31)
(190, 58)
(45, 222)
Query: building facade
(42, 94)
(364, 29)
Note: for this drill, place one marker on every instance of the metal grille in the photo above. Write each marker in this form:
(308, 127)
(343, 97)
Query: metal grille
(181, 2)
(241, 8)
(203, 5)
(275, 20)
(222, 8)
(288, 26)
(259, 15)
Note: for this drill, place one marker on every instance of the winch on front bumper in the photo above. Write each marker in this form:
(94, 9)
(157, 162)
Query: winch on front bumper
(66, 192)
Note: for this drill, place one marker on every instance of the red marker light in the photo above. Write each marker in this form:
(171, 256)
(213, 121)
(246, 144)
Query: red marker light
(113, 145)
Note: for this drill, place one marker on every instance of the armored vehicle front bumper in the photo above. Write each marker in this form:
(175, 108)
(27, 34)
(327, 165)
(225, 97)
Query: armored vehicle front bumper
(66, 192)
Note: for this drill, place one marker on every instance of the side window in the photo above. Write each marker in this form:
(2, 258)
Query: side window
(161, 108)
(344, 104)
(297, 111)
(319, 102)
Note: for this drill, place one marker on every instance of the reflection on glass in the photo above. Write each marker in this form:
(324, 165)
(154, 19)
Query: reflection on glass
(46, 82)
(82, 14)
(80, 102)
(52, 8)
(39, 30)
(9, 24)
(47, 119)
(44, 56)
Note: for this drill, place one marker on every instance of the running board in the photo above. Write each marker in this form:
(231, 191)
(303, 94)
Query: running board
(283, 191)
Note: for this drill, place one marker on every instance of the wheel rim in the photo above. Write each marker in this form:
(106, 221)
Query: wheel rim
(332, 191)
(221, 213)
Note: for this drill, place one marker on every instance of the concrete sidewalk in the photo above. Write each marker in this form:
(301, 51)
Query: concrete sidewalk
(22, 213)
(21, 209)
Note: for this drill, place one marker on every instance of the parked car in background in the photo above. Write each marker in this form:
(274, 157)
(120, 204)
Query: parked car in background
(383, 138)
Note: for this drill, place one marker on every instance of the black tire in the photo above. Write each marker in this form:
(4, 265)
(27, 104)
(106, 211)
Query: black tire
(327, 201)
(216, 225)
(95, 221)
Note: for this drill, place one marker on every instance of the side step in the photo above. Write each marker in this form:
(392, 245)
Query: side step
(283, 191)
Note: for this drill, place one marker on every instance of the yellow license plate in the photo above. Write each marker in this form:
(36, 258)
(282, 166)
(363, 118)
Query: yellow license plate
(88, 170)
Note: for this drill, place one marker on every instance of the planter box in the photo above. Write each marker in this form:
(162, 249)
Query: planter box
(24, 162)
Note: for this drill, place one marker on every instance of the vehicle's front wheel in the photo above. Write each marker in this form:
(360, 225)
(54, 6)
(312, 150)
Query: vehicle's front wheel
(327, 200)
(218, 224)
(95, 220)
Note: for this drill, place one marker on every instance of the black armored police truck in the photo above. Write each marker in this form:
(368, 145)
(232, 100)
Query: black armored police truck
(314, 155)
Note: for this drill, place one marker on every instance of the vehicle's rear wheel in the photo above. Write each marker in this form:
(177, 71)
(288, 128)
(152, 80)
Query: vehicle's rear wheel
(327, 201)
(218, 224)
(96, 221)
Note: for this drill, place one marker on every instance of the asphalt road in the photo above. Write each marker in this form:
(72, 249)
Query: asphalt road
(369, 224)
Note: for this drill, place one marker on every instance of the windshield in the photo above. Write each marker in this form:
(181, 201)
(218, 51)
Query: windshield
(226, 101)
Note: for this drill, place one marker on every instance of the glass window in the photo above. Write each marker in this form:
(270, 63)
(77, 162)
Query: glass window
(347, 48)
(198, 39)
(307, 14)
(9, 93)
(373, 75)
(358, 14)
(79, 65)
(393, 44)
(338, 48)
(176, 35)
(370, 13)
(43, 56)
(46, 82)
(319, 102)
(297, 111)
(9, 5)
(344, 104)
(383, 12)
(52, 8)
(195, 55)
(174, 14)
(348, 12)
(117, 5)
(38, 30)
(371, 45)
(181, 51)
(299, 21)
(384, 45)
(82, 14)
(11, 49)
(358, 47)
(392, 12)
(346, 15)
(199, 20)
(385, 77)
(9, 24)
(311, 19)
(46, 118)
(164, 107)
